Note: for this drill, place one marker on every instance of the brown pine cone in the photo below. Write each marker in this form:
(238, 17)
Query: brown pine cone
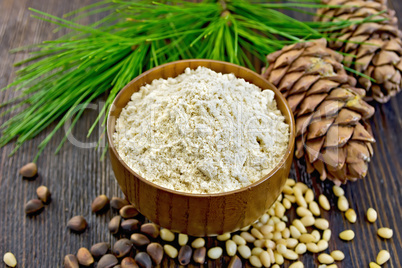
(328, 109)
(374, 48)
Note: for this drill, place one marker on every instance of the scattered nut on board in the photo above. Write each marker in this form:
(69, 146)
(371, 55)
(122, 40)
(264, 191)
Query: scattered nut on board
(29, 170)
(265, 243)
(10, 259)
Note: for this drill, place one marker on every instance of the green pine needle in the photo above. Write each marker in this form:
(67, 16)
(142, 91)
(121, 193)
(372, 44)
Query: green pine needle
(64, 76)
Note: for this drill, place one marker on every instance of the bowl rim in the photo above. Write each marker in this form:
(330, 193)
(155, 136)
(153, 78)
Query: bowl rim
(278, 94)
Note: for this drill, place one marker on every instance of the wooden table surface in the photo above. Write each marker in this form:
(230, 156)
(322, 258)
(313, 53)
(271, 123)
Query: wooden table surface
(75, 176)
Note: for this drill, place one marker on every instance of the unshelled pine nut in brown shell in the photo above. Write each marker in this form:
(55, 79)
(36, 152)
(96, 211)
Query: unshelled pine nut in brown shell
(99, 203)
(155, 251)
(84, 257)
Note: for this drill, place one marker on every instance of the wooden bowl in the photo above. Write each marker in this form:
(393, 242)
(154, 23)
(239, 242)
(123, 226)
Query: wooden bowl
(199, 214)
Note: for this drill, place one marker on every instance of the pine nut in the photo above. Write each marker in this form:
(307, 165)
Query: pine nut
(286, 233)
(244, 251)
(183, 239)
(239, 240)
(280, 226)
(374, 265)
(215, 253)
(278, 258)
(309, 196)
(322, 245)
(290, 255)
(286, 203)
(231, 248)
(248, 237)
(301, 248)
(308, 221)
(326, 235)
(287, 189)
(255, 261)
(256, 251)
(225, 236)
(272, 256)
(343, 203)
(294, 232)
(170, 251)
(332, 266)
(325, 258)
(385, 232)
(299, 197)
(290, 182)
(297, 264)
(281, 241)
(264, 218)
(324, 203)
(303, 187)
(257, 234)
(312, 247)
(265, 259)
(291, 242)
(338, 191)
(167, 235)
(321, 224)
(275, 220)
(280, 210)
(291, 198)
(306, 238)
(245, 229)
(10, 259)
(276, 266)
(198, 243)
(259, 243)
(347, 235)
(281, 249)
(299, 225)
(337, 255)
(270, 244)
(350, 215)
(277, 236)
(382, 257)
(313, 206)
(371, 215)
(317, 236)
(271, 212)
(266, 230)
(302, 211)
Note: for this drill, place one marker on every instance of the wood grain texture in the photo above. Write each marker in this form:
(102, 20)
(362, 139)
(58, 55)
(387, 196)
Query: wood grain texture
(76, 176)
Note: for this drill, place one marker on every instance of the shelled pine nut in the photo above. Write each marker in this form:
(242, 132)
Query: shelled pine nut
(382, 257)
(324, 203)
(386, 233)
(343, 203)
(350, 215)
(347, 235)
(371, 215)
(337, 255)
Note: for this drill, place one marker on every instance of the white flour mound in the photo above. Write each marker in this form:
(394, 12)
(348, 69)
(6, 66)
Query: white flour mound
(201, 132)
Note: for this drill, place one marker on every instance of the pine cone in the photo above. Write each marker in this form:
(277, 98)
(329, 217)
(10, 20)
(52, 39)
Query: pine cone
(375, 48)
(328, 109)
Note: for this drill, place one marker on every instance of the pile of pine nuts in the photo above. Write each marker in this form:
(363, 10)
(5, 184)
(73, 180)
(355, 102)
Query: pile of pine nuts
(268, 242)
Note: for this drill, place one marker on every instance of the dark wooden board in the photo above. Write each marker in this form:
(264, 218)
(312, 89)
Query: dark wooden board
(75, 176)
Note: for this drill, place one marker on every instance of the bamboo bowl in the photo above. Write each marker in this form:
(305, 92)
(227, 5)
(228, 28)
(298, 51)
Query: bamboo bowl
(199, 214)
